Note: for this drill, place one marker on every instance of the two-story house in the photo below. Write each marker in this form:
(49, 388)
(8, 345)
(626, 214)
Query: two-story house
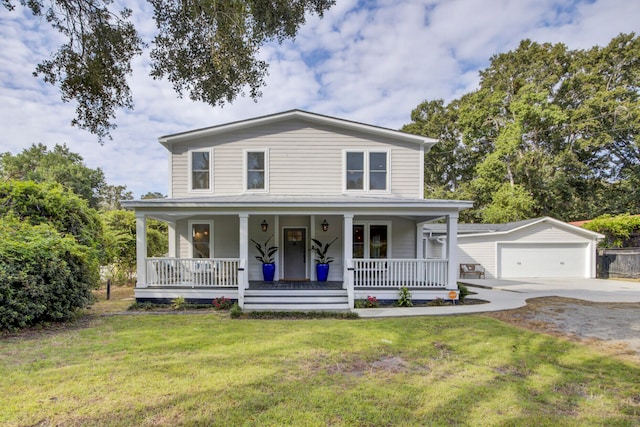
(291, 177)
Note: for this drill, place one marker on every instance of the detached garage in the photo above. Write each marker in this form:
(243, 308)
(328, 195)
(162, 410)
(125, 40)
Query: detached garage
(541, 247)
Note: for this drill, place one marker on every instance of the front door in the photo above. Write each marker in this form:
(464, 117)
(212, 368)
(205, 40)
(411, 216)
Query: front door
(295, 254)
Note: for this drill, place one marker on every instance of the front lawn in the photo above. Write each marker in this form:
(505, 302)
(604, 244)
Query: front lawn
(207, 369)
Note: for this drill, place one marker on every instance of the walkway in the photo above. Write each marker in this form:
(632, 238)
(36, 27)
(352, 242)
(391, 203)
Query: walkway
(511, 294)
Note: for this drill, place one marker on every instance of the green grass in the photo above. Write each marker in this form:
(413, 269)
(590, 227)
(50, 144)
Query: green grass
(207, 369)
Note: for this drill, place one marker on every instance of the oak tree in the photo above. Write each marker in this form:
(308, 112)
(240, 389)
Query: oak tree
(207, 49)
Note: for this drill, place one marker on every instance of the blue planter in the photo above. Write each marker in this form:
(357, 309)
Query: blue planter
(268, 271)
(322, 271)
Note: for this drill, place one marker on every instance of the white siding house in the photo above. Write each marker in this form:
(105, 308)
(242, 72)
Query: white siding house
(293, 177)
(540, 247)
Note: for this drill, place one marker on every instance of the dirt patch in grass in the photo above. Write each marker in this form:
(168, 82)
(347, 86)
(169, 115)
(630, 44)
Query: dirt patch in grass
(120, 298)
(383, 365)
(610, 327)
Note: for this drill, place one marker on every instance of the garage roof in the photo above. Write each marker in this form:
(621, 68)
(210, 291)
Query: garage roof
(488, 229)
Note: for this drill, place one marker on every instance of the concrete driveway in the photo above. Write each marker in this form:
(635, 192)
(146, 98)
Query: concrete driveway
(594, 290)
(514, 293)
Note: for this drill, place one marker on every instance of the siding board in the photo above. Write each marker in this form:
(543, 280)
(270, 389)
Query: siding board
(303, 160)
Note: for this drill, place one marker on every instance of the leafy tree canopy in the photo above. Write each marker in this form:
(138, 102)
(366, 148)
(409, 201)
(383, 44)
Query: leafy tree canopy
(50, 203)
(60, 165)
(618, 229)
(153, 195)
(122, 225)
(111, 197)
(550, 131)
(206, 48)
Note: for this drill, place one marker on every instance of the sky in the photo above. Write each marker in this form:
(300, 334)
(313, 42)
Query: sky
(369, 61)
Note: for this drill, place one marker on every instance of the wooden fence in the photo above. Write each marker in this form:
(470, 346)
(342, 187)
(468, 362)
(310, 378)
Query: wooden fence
(623, 262)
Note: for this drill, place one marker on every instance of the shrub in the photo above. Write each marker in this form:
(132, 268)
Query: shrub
(43, 275)
(463, 291)
(372, 302)
(236, 311)
(179, 303)
(405, 298)
(436, 302)
(222, 303)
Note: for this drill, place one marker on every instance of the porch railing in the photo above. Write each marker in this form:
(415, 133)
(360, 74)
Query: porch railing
(194, 272)
(393, 273)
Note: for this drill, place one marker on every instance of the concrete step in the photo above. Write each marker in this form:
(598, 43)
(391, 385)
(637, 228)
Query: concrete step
(295, 292)
(275, 299)
(295, 307)
(295, 299)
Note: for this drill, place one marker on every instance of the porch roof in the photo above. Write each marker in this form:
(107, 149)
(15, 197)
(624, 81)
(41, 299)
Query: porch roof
(469, 230)
(419, 209)
(271, 201)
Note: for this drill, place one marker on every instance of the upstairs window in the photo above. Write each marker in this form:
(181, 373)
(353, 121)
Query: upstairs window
(355, 171)
(367, 170)
(377, 171)
(256, 170)
(200, 165)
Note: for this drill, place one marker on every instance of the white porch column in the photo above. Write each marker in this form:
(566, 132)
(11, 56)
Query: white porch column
(276, 242)
(420, 240)
(347, 254)
(171, 228)
(243, 276)
(141, 250)
(312, 254)
(452, 250)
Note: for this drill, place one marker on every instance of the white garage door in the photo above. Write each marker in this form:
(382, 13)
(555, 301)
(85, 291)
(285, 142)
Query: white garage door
(543, 260)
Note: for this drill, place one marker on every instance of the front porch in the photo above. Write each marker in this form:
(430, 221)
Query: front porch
(202, 280)
(379, 249)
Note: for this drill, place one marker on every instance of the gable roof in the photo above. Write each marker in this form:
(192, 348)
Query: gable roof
(313, 118)
(467, 230)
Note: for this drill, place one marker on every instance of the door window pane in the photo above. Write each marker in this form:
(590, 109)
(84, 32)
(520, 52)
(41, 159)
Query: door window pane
(200, 170)
(201, 239)
(355, 171)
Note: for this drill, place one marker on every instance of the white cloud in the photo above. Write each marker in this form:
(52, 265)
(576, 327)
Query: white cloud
(367, 61)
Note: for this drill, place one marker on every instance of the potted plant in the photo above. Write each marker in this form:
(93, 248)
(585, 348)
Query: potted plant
(322, 260)
(266, 258)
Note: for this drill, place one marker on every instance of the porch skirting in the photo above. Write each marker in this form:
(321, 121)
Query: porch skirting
(290, 296)
(165, 294)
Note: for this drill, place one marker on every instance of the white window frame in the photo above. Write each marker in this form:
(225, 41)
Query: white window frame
(367, 170)
(245, 171)
(191, 223)
(190, 171)
(367, 236)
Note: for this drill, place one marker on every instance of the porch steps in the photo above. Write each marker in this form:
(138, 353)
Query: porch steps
(295, 300)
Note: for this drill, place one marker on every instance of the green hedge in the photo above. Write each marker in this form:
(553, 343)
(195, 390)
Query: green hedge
(43, 275)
